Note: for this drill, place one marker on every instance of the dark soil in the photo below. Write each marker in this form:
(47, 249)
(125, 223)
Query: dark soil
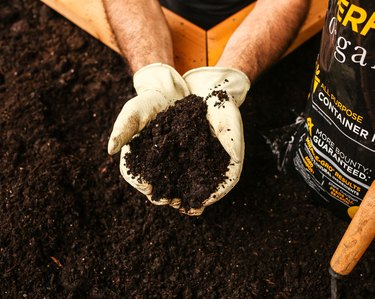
(177, 154)
(71, 227)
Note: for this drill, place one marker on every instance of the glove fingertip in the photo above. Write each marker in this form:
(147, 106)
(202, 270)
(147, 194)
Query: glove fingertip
(113, 146)
(111, 151)
(194, 211)
(175, 203)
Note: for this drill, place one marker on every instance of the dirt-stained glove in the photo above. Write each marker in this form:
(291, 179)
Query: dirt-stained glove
(158, 86)
(224, 90)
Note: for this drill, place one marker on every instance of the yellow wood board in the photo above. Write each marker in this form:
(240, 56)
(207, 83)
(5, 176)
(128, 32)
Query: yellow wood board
(189, 42)
(193, 46)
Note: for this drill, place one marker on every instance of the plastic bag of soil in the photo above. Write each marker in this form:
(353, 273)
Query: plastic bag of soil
(333, 148)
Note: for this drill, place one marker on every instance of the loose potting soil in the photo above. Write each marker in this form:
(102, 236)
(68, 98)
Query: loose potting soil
(71, 227)
(178, 155)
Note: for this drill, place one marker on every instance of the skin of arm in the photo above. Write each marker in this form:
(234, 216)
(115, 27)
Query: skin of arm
(141, 31)
(264, 35)
(143, 36)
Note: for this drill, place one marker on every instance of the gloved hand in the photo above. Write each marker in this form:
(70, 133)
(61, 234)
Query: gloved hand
(158, 86)
(224, 90)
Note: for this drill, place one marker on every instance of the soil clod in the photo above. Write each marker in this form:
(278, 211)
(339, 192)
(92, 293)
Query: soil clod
(178, 155)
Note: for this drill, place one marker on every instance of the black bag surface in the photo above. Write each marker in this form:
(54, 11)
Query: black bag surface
(334, 149)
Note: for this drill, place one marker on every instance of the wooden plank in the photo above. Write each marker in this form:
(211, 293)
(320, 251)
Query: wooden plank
(193, 46)
(189, 40)
(218, 36)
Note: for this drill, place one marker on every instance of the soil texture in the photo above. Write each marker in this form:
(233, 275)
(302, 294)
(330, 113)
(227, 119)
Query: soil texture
(71, 227)
(178, 155)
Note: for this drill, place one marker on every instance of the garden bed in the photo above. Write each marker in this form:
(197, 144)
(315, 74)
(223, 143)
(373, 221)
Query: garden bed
(71, 227)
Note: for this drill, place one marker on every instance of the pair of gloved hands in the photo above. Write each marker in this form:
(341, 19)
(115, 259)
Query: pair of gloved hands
(159, 86)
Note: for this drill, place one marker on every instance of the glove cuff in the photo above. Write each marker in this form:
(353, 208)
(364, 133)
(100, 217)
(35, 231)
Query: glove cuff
(162, 78)
(216, 70)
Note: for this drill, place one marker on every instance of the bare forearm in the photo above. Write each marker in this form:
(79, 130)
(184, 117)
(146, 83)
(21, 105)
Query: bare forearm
(141, 31)
(264, 35)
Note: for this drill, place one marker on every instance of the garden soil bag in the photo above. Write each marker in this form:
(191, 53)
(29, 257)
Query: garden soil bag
(333, 149)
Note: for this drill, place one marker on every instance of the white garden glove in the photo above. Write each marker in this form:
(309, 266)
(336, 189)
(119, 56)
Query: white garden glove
(158, 86)
(224, 118)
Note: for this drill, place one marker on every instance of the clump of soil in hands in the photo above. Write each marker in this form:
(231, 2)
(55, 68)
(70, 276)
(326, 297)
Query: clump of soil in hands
(178, 155)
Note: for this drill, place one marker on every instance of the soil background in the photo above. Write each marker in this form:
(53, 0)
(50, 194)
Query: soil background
(71, 227)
